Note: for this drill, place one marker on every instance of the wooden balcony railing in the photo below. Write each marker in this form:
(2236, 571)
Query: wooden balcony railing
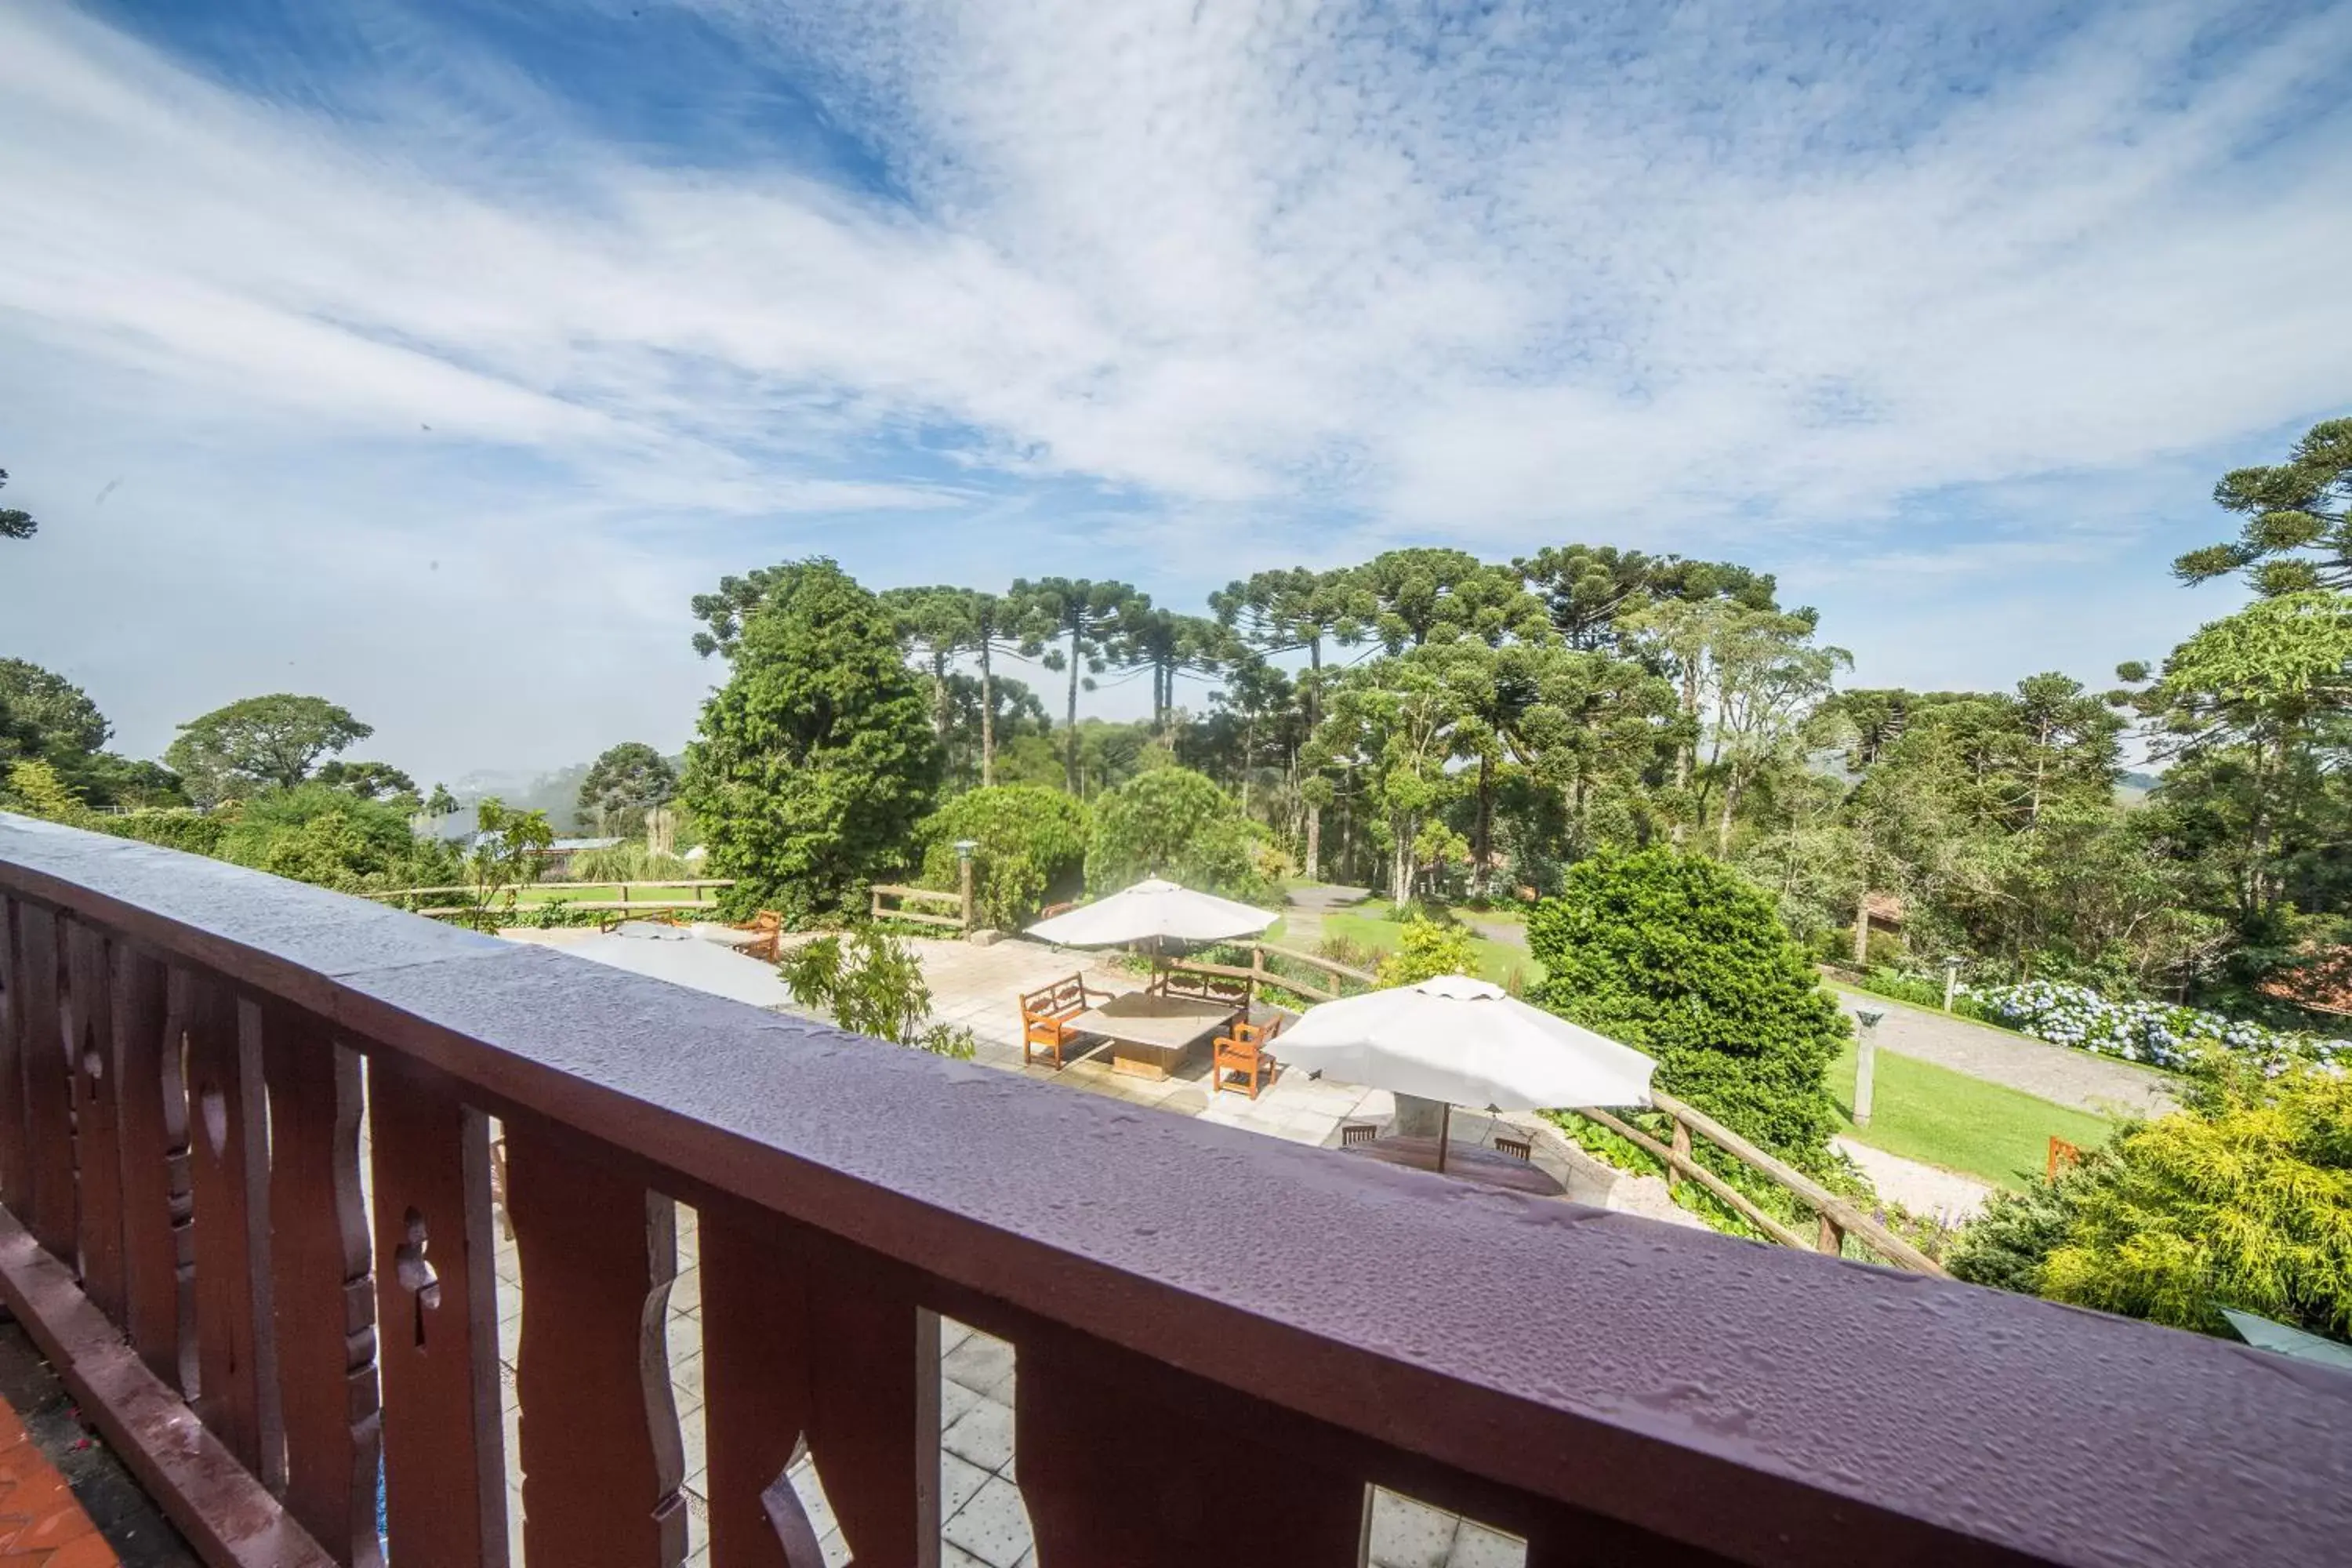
(1222, 1339)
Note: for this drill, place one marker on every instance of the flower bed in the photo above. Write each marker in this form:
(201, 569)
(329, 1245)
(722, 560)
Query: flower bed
(2156, 1033)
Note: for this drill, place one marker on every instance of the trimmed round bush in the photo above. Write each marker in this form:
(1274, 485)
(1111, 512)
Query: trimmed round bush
(1682, 957)
(1032, 850)
(1176, 824)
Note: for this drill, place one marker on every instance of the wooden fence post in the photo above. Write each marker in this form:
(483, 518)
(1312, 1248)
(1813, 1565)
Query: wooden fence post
(1832, 1238)
(1681, 1147)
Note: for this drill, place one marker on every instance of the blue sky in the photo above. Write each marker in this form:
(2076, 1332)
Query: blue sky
(429, 356)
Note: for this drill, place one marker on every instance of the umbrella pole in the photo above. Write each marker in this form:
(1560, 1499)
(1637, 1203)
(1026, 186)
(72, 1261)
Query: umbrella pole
(1444, 1127)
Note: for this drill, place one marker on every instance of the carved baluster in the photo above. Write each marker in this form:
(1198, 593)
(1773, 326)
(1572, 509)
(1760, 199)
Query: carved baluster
(228, 1177)
(322, 1286)
(97, 1116)
(49, 1092)
(444, 1446)
(874, 1410)
(755, 1356)
(16, 1143)
(153, 1102)
(1110, 1475)
(601, 1460)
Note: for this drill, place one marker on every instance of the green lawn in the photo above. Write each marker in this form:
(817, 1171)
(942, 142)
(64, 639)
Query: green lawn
(638, 891)
(1496, 960)
(1929, 1114)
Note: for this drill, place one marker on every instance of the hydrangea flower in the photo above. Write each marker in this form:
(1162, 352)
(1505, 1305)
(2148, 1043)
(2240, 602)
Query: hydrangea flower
(2160, 1033)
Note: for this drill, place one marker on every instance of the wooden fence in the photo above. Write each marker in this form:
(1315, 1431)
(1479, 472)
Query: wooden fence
(961, 920)
(1835, 1218)
(623, 904)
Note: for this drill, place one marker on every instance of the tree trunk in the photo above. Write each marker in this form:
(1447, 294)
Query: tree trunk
(987, 718)
(1400, 867)
(1682, 750)
(1723, 825)
(1070, 723)
(1862, 928)
(1482, 830)
(1314, 812)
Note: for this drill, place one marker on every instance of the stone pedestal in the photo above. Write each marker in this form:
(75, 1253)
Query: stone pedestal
(1417, 1118)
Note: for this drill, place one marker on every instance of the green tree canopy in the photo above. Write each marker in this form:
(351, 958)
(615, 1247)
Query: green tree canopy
(1682, 957)
(1176, 824)
(15, 524)
(816, 759)
(260, 742)
(1072, 624)
(1425, 596)
(624, 783)
(370, 781)
(2297, 535)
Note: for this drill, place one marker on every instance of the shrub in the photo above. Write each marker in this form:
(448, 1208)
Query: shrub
(2243, 1199)
(1426, 949)
(1177, 824)
(629, 862)
(315, 833)
(189, 830)
(872, 985)
(1681, 957)
(1032, 850)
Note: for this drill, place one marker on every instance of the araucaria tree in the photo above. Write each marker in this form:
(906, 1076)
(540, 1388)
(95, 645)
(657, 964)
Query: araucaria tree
(623, 784)
(816, 759)
(15, 524)
(1073, 625)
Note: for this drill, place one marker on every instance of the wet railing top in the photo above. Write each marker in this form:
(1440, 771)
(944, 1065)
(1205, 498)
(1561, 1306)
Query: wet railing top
(1766, 1404)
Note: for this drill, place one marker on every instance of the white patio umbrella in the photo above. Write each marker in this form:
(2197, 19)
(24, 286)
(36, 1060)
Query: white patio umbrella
(1153, 911)
(1461, 1041)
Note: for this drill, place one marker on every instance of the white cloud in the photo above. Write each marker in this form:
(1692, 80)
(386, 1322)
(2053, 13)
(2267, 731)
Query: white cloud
(1282, 281)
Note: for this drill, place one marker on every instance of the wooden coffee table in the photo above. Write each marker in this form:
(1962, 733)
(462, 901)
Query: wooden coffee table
(1151, 1035)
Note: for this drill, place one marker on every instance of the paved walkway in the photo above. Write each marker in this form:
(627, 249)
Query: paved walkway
(2101, 1085)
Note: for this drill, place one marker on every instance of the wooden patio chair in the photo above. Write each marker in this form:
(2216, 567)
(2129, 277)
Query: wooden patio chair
(1243, 1050)
(1046, 1017)
(1352, 1134)
(1516, 1148)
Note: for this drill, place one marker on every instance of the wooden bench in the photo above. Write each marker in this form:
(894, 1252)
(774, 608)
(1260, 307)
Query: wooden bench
(1232, 991)
(1046, 1016)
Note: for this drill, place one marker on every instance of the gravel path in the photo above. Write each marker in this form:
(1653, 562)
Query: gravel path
(2100, 1085)
(1922, 1188)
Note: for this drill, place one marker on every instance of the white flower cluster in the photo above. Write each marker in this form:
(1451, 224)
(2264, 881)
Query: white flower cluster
(2158, 1033)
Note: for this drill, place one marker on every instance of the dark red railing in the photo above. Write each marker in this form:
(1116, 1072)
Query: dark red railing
(1222, 1339)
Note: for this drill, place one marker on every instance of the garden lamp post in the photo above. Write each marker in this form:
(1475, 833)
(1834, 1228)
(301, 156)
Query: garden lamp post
(1865, 1066)
(964, 849)
(1951, 980)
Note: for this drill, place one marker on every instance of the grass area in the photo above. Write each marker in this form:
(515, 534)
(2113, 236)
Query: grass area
(1933, 1114)
(1496, 960)
(611, 890)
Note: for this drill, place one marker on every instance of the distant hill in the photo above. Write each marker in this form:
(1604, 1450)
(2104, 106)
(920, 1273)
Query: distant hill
(2132, 788)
